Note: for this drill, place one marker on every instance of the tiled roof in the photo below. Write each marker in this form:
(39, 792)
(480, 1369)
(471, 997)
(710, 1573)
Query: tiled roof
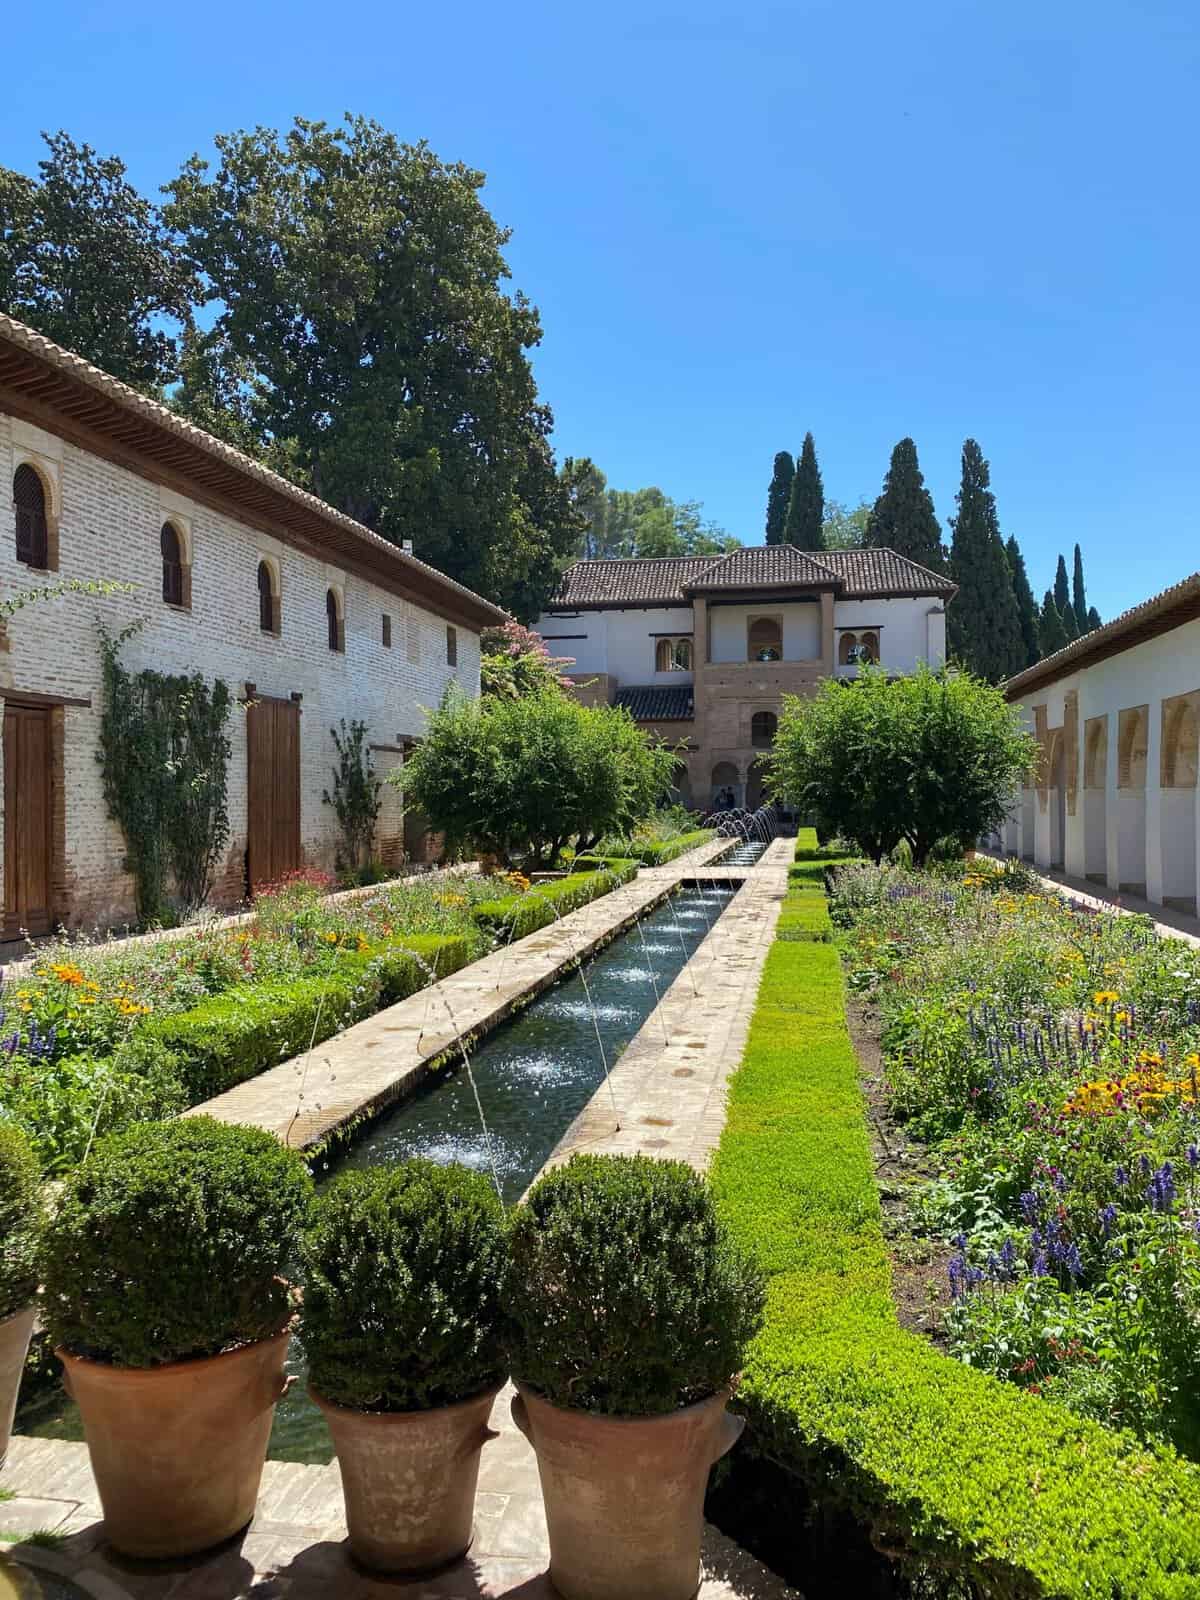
(768, 566)
(671, 580)
(656, 580)
(871, 574)
(1162, 612)
(33, 366)
(652, 702)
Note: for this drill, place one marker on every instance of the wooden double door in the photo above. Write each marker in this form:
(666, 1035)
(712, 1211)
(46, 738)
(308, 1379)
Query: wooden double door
(28, 820)
(273, 790)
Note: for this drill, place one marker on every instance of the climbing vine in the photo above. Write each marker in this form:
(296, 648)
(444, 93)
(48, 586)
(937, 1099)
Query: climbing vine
(355, 797)
(164, 755)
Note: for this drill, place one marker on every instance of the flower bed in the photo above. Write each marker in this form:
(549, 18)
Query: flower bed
(957, 1475)
(513, 916)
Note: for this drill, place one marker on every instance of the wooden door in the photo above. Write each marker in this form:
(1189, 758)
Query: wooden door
(28, 826)
(273, 786)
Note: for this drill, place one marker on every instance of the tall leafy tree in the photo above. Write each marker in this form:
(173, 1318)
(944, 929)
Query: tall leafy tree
(1079, 593)
(1062, 589)
(362, 317)
(1027, 611)
(903, 518)
(1052, 635)
(984, 628)
(778, 496)
(845, 528)
(806, 506)
(88, 261)
(647, 522)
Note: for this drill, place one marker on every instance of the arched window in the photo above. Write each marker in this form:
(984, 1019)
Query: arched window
(868, 648)
(683, 655)
(673, 655)
(765, 640)
(333, 620)
(762, 729)
(29, 503)
(172, 564)
(268, 613)
(848, 649)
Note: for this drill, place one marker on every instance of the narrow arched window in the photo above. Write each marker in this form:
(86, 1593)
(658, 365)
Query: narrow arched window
(762, 729)
(765, 640)
(664, 656)
(267, 619)
(29, 503)
(172, 565)
(683, 655)
(333, 620)
(868, 648)
(848, 649)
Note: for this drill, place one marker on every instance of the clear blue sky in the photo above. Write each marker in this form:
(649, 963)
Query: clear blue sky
(741, 221)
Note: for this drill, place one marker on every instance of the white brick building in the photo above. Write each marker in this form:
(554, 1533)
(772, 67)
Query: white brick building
(303, 612)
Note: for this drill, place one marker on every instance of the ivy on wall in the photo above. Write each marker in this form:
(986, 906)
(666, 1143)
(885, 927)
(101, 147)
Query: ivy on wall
(164, 755)
(355, 797)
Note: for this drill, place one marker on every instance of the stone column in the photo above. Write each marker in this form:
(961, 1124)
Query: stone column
(1154, 809)
(699, 633)
(1112, 804)
(827, 631)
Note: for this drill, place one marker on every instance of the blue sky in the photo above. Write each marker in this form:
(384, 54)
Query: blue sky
(742, 221)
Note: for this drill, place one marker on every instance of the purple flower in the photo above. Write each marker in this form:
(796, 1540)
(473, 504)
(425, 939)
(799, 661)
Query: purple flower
(1108, 1219)
(1121, 1177)
(1039, 1266)
(1160, 1191)
(1193, 1156)
(1073, 1262)
(1029, 1206)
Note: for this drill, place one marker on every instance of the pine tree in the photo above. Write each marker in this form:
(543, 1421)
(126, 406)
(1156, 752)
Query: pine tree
(903, 518)
(1062, 590)
(806, 507)
(778, 496)
(1027, 611)
(1079, 594)
(1051, 633)
(985, 630)
(1093, 619)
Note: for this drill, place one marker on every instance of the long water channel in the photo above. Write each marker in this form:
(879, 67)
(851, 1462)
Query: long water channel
(534, 1075)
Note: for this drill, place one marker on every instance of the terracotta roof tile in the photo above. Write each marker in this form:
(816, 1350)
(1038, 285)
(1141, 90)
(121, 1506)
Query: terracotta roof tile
(654, 702)
(634, 581)
(878, 573)
(766, 566)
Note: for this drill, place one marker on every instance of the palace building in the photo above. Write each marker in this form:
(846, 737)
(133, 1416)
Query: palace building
(234, 572)
(702, 649)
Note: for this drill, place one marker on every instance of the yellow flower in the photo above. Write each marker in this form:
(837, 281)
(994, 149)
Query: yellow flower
(1105, 997)
(66, 973)
(1121, 1016)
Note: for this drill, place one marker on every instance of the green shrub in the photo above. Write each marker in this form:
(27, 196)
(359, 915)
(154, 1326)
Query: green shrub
(657, 852)
(804, 915)
(171, 1241)
(516, 915)
(401, 1271)
(624, 1294)
(405, 966)
(947, 1468)
(20, 1220)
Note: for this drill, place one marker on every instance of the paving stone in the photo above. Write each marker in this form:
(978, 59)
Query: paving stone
(26, 1514)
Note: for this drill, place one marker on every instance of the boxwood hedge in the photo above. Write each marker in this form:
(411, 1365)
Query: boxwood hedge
(513, 916)
(949, 1470)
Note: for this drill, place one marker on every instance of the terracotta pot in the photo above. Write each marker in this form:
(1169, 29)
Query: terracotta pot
(408, 1478)
(624, 1496)
(177, 1451)
(15, 1334)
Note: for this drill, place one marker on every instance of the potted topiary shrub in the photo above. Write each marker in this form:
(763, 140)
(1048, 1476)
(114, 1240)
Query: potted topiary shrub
(162, 1272)
(627, 1314)
(20, 1218)
(401, 1324)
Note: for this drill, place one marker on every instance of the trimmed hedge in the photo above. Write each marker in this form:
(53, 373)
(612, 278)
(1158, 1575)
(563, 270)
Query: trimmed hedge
(238, 1034)
(516, 915)
(946, 1467)
(658, 852)
(21, 1218)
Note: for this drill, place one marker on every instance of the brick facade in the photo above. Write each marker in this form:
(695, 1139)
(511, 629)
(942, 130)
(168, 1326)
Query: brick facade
(107, 521)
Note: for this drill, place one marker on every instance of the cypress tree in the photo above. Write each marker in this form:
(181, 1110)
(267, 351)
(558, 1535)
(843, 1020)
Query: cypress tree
(1093, 619)
(985, 630)
(1079, 594)
(1027, 611)
(806, 508)
(1062, 590)
(903, 518)
(778, 496)
(1051, 633)
(1070, 626)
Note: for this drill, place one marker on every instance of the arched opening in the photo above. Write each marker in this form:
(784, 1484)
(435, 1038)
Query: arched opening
(1095, 799)
(1057, 798)
(664, 658)
(681, 782)
(726, 786)
(763, 727)
(1180, 750)
(268, 600)
(868, 649)
(764, 639)
(33, 524)
(848, 650)
(171, 549)
(334, 623)
(1132, 741)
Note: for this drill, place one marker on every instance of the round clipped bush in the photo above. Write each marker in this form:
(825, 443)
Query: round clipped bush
(623, 1293)
(20, 1220)
(402, 1269)
(171, 1240)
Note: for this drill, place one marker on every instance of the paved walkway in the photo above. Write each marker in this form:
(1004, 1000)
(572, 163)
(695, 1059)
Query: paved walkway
(1170, 924)
(669, 1087)
(357, 1072)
